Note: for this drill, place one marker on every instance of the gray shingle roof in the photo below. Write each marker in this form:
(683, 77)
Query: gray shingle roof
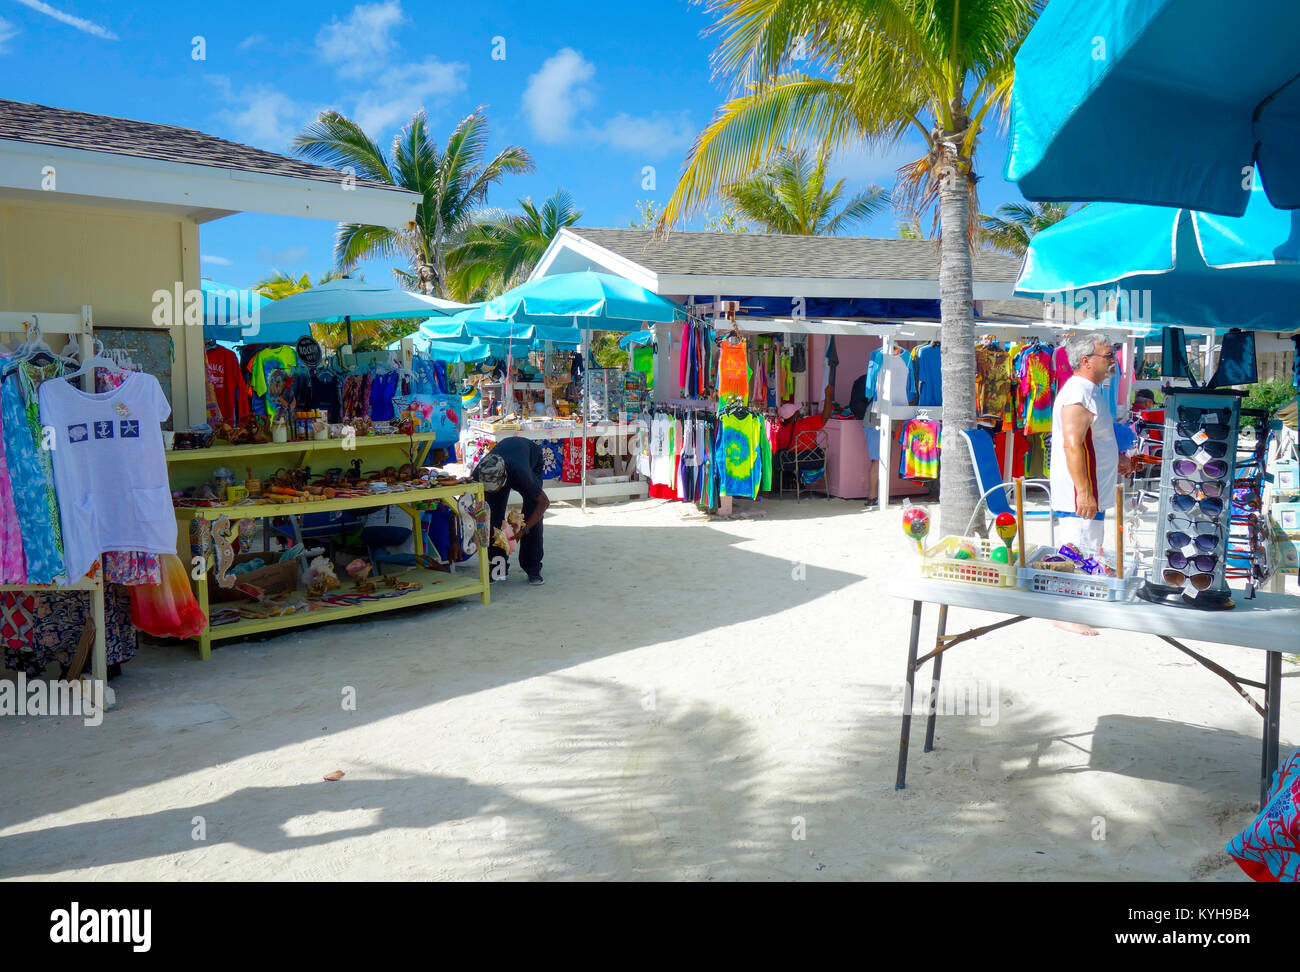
(770, 255)
(25, 122)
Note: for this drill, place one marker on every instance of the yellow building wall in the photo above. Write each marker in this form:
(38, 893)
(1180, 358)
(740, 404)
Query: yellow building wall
(56, 256)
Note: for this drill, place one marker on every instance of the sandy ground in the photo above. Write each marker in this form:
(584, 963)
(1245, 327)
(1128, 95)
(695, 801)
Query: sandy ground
(682, 700)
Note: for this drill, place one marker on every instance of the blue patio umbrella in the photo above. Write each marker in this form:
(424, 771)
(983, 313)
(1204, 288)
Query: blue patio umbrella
(585, 297)
(229, 310)
(1173, 266)
(637, 339)
(472, 323)
(1162, 102)
(346, 299)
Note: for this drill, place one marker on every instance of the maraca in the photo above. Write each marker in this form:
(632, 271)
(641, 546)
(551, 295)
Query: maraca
(916, 524)
(1005, 524)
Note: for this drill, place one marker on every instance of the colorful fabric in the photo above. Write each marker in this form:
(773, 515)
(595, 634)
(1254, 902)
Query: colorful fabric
(552, 459)
(132, 567)
(571, 459)
(993, 382)
(13, 566)
(37, 524)
(643, 361)
(1269, 849)
(54, 626)
(744, 456)
(228, 385)
(920, 454)
(733, 370)
(925, 385)
(1035, 390)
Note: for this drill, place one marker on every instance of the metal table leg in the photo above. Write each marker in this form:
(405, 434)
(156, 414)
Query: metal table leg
(934, 681)
(901, 781)
(1272, 723)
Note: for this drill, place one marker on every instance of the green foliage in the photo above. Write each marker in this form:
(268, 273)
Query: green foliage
(500, 249)
(726, 221)
(789, 195)
(1269, 396)
(605, 349)
(453, 181)
(1016, 224)
(648, 214)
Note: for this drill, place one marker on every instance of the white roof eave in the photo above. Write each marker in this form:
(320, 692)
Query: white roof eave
(204, 191)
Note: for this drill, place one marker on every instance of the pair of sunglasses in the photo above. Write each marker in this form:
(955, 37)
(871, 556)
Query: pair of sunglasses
(1203, 541)
(1188, 525)
(1214, 468)
(1189, 487)
(1187, 447)
(1209, 506)
(1215, 431)
(1177, 578)
(1202, 562)
(1188, 414)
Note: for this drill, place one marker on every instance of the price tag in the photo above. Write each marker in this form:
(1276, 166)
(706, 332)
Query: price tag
(1201, 457)
(1190, 550)
(1200, 438)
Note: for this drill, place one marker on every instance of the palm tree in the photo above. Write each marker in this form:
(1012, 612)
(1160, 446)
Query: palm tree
(880, 70)
(280, 285)
(789, 195)
(1016, 223)
(501, 249)
(453, 182)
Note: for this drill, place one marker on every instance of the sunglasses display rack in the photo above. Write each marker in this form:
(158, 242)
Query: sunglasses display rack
(1196, 476)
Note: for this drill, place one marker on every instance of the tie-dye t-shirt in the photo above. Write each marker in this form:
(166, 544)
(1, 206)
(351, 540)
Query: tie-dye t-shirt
(744, 456)
(1035, 391)
(920, 442)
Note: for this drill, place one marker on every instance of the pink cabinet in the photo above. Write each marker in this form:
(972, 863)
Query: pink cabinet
(850, 473)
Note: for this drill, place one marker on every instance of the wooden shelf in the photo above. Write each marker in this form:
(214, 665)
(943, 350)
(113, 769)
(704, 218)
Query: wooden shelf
(259, 510)
(438, 586)
(257, 450)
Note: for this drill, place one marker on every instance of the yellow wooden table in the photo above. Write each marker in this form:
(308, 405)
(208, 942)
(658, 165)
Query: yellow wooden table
(438, 586)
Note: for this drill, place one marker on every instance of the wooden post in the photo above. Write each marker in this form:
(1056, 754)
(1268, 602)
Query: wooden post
(1020, 518)
(1119, 529)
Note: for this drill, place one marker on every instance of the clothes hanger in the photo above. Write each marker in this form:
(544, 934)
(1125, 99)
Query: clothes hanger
(97, 360)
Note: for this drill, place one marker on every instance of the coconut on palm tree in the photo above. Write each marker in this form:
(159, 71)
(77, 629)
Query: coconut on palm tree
(453, 180)
(789, 195)
(879, 71)
(1016, 223)
(501, 249)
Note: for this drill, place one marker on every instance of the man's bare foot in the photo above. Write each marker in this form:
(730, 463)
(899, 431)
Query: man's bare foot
(1073, 628)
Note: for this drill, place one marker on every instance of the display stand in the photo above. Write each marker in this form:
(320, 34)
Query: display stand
(438, 586)
(82, 325)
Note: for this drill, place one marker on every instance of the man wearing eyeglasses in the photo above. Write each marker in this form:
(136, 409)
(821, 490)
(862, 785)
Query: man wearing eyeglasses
(1086, 461)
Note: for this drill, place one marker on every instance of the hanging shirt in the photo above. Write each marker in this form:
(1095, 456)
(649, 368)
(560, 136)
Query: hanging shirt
(228, 385)
(643, 360)
(920, 441)
(993, 382)
(744, 455)
(733, 369)
(382, 390)
(1099, 447)
(925, 385)
(1036, 387)
(110, 470)
(260, 368)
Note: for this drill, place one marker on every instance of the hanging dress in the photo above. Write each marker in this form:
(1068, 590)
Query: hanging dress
(30, 487)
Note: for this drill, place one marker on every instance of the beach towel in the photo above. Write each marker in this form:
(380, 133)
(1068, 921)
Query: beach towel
(1269, 849)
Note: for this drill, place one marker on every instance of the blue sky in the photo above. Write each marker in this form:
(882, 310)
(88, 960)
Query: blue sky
(595, 90)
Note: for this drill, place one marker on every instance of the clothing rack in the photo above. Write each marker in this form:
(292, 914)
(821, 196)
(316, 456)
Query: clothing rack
(82, 326)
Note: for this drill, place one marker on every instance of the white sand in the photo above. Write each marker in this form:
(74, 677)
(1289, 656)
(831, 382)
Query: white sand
(677, 701)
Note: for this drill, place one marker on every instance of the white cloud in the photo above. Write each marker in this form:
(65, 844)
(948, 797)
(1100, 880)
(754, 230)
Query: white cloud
(261, 115)
(7, 30)
(218, 260)
(85, 26)
(252, 40)
(282, 258)
(557, 93)
(401, 90)
(362, 39)
(656, 135)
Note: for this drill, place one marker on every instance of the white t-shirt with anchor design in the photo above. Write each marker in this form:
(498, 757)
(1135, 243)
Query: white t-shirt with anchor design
(110, 469)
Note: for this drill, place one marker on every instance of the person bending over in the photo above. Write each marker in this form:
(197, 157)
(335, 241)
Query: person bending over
(515, 464)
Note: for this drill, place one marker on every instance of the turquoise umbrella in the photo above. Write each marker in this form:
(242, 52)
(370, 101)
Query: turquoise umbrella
(637, 339)
(1163, 102)
(228, 311)
(588, 296)
(472, 323)
(1174, 266)
(346, 299)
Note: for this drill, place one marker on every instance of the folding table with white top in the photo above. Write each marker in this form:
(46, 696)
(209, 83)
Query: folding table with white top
(1268, 622)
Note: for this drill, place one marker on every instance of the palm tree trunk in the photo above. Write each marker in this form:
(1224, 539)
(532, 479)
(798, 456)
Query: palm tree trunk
(957, 490)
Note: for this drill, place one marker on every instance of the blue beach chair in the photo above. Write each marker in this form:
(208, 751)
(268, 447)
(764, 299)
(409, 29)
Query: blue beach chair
(995, 493)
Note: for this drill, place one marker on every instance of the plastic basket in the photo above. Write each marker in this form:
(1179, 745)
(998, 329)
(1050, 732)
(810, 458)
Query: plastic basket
(939, 563)
(1090, 586)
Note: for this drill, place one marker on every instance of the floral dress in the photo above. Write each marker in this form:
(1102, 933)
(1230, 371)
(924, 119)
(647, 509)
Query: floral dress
(31, 490)
(13, 566)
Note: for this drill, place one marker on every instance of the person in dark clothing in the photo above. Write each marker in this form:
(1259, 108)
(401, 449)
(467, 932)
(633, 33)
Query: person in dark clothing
(516, 464)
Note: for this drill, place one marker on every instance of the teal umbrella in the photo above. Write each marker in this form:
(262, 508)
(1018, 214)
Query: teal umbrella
(1163, 102)
(1173, 266)
(637, 339)
(346, 299)
(472, 323)
(584, 296)
(229, 311)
